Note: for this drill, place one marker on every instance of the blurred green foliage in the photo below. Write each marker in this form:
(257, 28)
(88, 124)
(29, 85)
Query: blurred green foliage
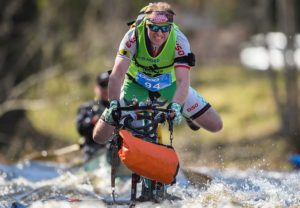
(244, 100)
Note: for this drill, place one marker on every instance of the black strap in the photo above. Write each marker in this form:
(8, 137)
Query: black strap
(130, 22)
(150, 68)
(136, 34)
(130, 78)
(189, 59)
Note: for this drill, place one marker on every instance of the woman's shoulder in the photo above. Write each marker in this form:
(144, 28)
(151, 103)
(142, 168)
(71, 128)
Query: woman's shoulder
(182, 44)
(180, 36)
(130, 33)
(127, 46)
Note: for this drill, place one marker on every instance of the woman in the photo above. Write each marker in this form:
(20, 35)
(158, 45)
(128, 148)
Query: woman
(157, 59)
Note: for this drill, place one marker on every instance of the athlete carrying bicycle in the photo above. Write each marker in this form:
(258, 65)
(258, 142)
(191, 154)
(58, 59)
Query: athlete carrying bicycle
(154, 61)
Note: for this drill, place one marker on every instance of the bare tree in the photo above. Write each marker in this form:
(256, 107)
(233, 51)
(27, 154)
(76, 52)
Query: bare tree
(291, 108)
(286, 97)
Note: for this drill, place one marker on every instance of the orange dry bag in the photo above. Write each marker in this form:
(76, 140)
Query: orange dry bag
(154, 161)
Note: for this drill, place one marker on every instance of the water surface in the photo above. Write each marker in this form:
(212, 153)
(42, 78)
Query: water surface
(49, 185)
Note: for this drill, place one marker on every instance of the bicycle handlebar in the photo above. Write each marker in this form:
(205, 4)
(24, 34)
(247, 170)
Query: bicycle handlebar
(151, 114)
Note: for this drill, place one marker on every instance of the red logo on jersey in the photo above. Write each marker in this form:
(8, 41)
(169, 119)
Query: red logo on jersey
(179, 50)
(130, 42)
(193, 107)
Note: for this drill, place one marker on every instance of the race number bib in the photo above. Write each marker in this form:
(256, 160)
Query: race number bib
(154, 83)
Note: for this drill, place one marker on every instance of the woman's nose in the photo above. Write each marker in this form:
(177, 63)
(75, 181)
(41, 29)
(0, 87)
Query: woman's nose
(159, 32)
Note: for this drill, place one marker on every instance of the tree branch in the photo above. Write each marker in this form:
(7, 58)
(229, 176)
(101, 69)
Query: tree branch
(32, 80)
(15, 101)
(17, 104)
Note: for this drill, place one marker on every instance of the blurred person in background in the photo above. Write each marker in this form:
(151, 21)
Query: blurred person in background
(89, 113)
(154, 61)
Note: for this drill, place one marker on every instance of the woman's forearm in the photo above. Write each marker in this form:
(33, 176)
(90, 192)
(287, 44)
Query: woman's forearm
(116, 78)
(114, 87)
(182, 86)
(181, 92)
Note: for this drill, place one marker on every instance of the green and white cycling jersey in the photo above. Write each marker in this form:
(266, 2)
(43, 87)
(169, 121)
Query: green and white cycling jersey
(163, 85)
(127, 47)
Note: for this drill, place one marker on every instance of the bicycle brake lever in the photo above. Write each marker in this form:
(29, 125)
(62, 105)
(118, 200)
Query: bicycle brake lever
(116, 115)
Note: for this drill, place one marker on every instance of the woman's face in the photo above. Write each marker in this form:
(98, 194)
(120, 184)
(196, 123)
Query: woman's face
(158, 34)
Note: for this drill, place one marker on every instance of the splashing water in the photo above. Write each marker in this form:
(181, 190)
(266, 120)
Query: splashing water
(48, 185)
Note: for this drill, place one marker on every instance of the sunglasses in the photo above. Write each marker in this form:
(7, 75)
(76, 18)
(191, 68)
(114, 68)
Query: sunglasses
(156, 28)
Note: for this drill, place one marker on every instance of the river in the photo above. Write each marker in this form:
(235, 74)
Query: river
(42, 184)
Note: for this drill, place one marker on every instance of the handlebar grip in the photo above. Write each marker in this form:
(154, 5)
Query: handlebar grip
(116, 114)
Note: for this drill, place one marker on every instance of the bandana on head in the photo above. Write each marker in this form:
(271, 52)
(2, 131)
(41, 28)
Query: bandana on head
(160, 17)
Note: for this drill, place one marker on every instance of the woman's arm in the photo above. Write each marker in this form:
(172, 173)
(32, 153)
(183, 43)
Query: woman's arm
(182, 85)
(116, 78)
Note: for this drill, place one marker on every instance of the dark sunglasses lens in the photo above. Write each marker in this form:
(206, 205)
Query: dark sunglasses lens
(165, 28)
(154, 28)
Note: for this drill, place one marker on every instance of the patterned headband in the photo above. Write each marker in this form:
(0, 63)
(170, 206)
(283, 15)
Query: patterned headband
(161, 16)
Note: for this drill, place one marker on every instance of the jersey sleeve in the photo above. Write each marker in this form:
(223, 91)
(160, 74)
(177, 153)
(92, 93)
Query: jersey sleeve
(182, 48)
(127, 46)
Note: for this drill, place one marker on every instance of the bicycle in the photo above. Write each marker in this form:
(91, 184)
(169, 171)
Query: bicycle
(137, 126)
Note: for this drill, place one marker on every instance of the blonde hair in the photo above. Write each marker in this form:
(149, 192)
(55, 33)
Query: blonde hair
(159, 7)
